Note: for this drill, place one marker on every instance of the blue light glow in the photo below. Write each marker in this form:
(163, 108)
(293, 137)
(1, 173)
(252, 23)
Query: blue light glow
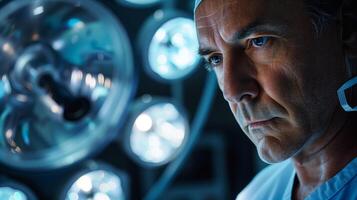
(142, 2)
(75, 23)
(26, 133)
(97, 185)
(12, 194)
(173, 49)
(158, 133)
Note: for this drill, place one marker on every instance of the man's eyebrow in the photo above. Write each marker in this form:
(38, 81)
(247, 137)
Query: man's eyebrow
(255, 27)
(259, 26)
(204, 51)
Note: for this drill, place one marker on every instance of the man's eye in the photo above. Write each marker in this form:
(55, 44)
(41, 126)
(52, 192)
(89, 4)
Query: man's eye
(260, 41)
(214, 60)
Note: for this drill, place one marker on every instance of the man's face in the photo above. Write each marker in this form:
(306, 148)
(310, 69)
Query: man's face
(278, 76)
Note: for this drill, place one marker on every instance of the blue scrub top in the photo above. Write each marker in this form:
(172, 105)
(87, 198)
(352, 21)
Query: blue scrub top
(276, 182)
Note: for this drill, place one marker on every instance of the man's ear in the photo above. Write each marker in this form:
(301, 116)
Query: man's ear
(349, 28)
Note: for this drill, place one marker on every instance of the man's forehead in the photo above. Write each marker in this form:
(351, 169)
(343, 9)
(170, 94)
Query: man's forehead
(209, 10)
(222, 17)
(228, 13)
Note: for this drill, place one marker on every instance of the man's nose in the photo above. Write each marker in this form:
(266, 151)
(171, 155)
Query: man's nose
(239, 79)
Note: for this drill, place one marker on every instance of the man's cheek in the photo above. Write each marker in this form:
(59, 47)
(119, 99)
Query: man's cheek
(233, 108)
(220, 79)
(239, 118)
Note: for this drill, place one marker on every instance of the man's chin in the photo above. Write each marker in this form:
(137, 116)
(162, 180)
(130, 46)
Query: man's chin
(271, 152)
(271, 159)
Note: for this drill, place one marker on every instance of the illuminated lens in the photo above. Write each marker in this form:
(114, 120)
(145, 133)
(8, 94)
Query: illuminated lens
(97, 185)
(142, 2)
(12, 190)
(158, 133)
(12, 194)
(61, 73)
(173, 49)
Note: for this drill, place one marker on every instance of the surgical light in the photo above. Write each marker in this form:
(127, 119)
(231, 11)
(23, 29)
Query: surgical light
(170, 45)
(38, 10)
(98, 182)
(11, 190)
(139, 3)
(158, 131)
(65, 64)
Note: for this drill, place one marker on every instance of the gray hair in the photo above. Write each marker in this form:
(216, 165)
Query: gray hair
(323, 12)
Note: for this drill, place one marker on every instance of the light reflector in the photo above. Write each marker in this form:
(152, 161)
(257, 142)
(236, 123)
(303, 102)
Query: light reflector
(172, 51)
(12, 194)
(158, 132)
(99, 183)
(61, 73)
(11, 190)
(139, 3)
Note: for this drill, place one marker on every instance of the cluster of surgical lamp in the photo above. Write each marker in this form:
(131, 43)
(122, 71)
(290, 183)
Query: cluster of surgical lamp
(66, 78)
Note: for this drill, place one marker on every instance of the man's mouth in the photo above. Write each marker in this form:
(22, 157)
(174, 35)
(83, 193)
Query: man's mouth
(256, 124)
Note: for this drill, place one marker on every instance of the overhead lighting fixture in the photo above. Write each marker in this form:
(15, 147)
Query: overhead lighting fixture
(169, 45)
(62, 73)
(139, 3)
(11, 190)
(98, 181)
(38, 10)
(157, 131)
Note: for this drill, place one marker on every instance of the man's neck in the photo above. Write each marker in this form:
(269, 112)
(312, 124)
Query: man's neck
(326, 156)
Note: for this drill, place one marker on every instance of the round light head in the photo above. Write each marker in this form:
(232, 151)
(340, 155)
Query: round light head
(139, 3)
(15, 191)
(158, 132)
(171, 53)
(65, 64)
(101, 183)
(11, 193)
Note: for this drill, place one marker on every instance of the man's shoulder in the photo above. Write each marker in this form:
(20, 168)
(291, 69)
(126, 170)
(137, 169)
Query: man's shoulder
(272, 180)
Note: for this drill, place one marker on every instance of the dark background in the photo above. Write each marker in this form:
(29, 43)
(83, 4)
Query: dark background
(222, 163)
